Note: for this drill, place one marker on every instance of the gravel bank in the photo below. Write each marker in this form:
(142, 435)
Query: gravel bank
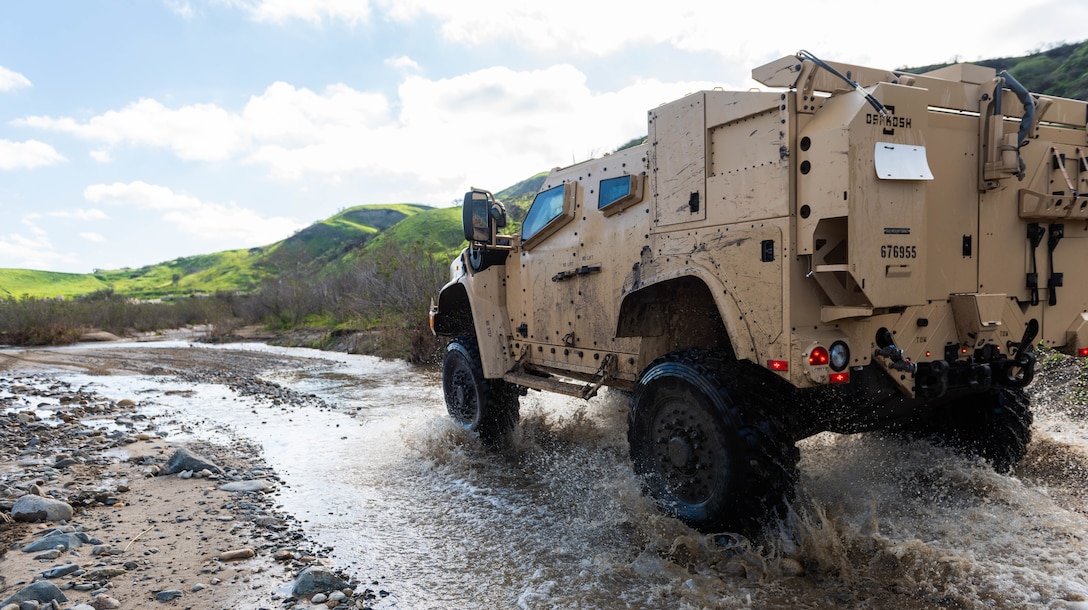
(97, 511)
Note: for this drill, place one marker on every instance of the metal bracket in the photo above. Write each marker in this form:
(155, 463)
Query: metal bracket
(606, 372)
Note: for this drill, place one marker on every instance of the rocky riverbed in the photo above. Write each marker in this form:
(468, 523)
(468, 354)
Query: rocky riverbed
(101, 509)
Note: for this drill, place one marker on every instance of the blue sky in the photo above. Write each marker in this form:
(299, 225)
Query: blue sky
(133, 132)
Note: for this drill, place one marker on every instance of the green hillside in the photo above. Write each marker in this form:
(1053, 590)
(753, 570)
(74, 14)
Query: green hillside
(317, 247)
(1061, 71)
(15, 283)
(436, 230)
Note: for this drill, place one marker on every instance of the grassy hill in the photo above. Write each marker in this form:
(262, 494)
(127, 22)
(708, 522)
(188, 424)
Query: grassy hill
(14, 283)
(318, 248)
(1060, 71)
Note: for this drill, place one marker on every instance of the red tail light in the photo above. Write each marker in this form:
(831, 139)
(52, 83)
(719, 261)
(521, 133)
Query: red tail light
(819, 356)
(1082, 352)
(778, 365)
(843, 377)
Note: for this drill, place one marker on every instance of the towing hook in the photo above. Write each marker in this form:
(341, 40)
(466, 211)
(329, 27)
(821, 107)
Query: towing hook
(931, 380)
(1017, 372)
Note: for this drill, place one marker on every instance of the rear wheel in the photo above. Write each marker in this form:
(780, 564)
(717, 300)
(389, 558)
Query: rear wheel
(994, 425)
(706, 441)
(488, 407)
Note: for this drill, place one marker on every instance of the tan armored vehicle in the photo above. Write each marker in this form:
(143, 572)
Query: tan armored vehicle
(856, 250)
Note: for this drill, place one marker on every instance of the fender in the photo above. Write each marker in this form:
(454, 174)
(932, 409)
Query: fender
(737, 325)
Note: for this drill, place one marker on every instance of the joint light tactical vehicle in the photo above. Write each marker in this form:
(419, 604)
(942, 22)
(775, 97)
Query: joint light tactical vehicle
(856, 250)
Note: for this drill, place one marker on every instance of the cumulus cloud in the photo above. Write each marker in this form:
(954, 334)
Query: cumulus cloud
(33, 251)
(80, 214)
(353, 12)
(200, 132)
(743, 33)
(181, 8)
(492, 124)
(93, 237)
(11, 80)
(203, 220)
(403, 63)
(27, 155)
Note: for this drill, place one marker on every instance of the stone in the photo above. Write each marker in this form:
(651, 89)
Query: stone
(61, 570)
(320, 598)
(247, 485)
(42, 592)
(237, 554)
(104, 573)
(168, 595)
(316, 579)
(96, 336)
(184, 460)
(54, 540)
(105, 602)
(36, 509)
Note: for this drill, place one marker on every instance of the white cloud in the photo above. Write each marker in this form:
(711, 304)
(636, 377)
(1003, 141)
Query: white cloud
(403, 63)
(200, 132)
(11, 80)
(102, 156)
(747, 34)
(208, 221)
(93, 237)
(353, 12)
(181, 8)
(27, 155)
(34, 251)
(495, 124)
(80, 214)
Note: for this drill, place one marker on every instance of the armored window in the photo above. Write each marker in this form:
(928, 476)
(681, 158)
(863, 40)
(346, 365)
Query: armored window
(550, 210)
(618, 193)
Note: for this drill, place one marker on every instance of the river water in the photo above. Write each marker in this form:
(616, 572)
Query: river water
(380, 474)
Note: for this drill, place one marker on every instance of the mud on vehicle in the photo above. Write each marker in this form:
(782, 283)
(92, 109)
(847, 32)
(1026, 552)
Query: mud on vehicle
(853, 250)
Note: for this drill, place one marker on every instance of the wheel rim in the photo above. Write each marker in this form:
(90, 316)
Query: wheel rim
(462, 398)
(685, 450)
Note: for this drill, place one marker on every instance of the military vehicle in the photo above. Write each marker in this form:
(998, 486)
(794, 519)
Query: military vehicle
(851, 250)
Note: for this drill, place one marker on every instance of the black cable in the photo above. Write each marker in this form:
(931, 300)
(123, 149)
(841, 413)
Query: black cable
(802, 54)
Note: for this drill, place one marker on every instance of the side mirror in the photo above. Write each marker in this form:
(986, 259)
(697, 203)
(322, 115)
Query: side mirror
(480, 216)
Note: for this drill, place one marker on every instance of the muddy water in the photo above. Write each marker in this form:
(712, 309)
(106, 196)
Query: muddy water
(557, 520)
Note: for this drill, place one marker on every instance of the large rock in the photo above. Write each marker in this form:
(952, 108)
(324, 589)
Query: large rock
(66, 540)
(42, 592)
(35, 509)
(183, 460)
(317, 579)
(248, 485)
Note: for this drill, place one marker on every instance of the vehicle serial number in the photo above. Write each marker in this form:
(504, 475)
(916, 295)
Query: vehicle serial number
(892, 251)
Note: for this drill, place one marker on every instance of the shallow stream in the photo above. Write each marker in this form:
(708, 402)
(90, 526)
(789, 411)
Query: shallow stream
(379, 473)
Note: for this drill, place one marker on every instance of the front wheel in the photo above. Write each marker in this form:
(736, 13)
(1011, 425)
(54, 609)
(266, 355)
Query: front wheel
(488, 407)
(708, 444)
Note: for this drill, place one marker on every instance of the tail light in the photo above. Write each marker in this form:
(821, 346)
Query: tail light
(819, 356)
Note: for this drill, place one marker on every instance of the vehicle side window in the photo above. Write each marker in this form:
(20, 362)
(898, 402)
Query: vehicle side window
(547, 206)
(618, 193)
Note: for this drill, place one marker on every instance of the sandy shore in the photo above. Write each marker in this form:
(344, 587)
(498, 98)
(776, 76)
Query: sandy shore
(139, 534)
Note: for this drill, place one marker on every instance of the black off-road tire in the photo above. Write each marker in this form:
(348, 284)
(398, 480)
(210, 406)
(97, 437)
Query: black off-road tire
(994, 425)
(707, 439)
(488, 407)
